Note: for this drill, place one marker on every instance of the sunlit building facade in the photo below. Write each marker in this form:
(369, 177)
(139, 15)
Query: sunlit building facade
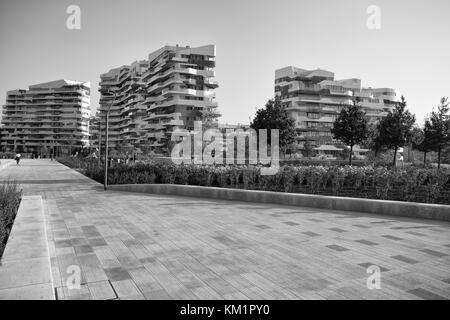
(51, 117)
(149, 99)
(314, 99)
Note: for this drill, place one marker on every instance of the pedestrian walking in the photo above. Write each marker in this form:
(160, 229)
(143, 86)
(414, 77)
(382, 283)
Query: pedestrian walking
(17, 158)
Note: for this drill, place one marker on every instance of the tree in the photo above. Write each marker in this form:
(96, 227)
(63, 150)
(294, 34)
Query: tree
(394, 130)
(440, 128)
(123, 149)
(275, 116)
(350, 127)
(292, 148)
(209, 118)
(146, 149)
(446, 155)
(420, 139)
(373, 141)
(308, 149)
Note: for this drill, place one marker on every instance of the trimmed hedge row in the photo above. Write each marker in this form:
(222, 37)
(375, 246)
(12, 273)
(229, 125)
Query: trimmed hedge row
(404, 184)
(10, 197)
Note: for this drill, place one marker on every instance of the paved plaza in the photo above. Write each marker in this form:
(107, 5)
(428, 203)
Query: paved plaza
(143, 246)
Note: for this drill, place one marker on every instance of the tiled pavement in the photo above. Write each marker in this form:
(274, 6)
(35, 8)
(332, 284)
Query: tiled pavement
(138, 246)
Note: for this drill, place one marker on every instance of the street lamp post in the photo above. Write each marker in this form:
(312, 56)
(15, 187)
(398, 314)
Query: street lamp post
(99, 142)
(105, 183)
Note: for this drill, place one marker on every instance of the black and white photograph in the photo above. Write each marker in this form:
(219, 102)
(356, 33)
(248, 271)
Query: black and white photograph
(224, 155)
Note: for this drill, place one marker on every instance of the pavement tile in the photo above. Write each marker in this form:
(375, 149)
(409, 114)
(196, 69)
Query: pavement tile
(97, 242)
(101, 290)
(426, 295)
(387, 236)
(311, 234)
(368, 264)
(117, 274)
(434, 253)
(125, 288)
(405, 259)
(157, 295)
(83, 249)
(338, 230)
(336, 247)
(367, 242)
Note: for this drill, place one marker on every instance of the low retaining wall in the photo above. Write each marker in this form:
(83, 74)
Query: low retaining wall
(25, 270)
(383, 207)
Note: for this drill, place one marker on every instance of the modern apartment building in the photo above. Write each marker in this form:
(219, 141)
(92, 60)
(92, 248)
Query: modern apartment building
(149, 99)
(48, 117)
(314, 99)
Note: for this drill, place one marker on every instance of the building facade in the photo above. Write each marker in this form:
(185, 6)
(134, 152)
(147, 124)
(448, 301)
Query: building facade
(149, 99)
(314, 99)
(51, 117)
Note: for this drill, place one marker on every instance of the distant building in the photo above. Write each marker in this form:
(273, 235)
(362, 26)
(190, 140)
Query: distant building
(51, 117)
(224, 126)
(149, 99)
(314, 99)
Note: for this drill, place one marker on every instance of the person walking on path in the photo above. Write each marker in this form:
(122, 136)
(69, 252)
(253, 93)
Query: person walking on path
(17, 158)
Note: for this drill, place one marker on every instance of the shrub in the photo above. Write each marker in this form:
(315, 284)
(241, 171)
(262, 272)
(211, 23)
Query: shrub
(10, 196)
(406, 184)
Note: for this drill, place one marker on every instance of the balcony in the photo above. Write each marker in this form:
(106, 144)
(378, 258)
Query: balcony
(173, 123)
(211, 83)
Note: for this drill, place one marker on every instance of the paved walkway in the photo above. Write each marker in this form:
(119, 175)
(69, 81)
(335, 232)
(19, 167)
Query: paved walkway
(137, 246)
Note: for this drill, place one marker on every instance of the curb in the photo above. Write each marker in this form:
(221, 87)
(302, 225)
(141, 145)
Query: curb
(382, 207)
(25, 272)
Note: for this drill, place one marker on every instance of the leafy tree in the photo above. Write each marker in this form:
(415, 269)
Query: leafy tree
(209, 118)
(146, 149)
(373, 141)
(275, 116)
(420, 139)
(308, 149)
(344, 153)
(292, 148)
(124, 149)
(440, 128)
(169, 146)
(350, 127)
(446, 155)
(394, 130)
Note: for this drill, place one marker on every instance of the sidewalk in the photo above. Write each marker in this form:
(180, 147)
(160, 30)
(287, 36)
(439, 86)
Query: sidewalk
(143, 246)
(4, 163)
(25, 272)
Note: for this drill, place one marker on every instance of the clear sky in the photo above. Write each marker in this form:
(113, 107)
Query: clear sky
(411, 51)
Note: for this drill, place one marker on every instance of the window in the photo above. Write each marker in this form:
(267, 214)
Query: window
(313, 115)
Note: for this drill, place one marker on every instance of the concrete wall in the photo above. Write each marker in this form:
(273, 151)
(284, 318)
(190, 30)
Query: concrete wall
(383, 207)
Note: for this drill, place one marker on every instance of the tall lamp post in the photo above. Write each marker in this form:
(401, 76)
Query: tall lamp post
(105, 183)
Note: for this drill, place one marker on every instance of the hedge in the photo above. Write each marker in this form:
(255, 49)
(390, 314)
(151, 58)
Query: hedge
(10, 197)
(428, 185)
